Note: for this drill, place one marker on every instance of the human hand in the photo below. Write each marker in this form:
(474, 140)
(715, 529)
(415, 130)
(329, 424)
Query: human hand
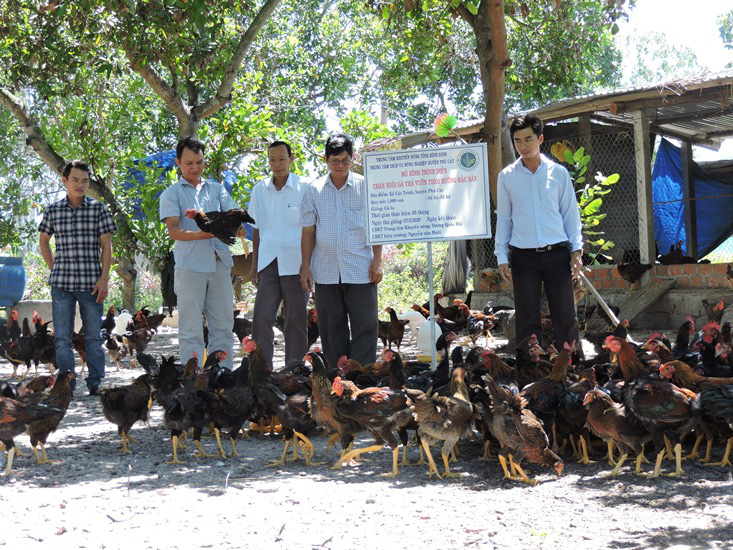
(505, 272)
(242, 231)
(101, 289)
(576, 263)
(306, 279)
(375, 271)
(254, 276)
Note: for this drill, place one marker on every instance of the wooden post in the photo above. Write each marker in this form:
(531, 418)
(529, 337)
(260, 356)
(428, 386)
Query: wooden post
(645, 208)
(584, 129)
(688, 193)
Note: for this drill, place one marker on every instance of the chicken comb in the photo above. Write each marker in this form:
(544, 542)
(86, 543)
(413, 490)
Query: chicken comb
(712, 325)
(689, 318)
(316, 350)
(608, 339)
(720, 306)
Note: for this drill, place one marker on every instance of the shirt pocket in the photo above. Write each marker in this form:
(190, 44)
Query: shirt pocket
(356, 219)
(292, 215)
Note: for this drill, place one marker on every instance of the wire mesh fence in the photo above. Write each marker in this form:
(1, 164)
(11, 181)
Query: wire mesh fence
(612, 152)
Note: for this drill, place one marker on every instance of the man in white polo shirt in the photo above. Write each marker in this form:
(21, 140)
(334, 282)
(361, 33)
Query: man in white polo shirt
(275, 206)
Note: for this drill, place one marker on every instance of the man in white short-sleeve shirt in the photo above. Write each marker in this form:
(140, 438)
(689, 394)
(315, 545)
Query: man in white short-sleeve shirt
(275, 206)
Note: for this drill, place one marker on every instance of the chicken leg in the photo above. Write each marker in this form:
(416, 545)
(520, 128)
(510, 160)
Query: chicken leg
(693, 453)
(201, 451)
(726, 456)
(524, 476)
(432, 468)
(174, 442)
(487, 449)
(584, 459)
(447, 472)
(358, 452)
(621, 460)
(124, 443)
(9, 464)
(281, 462)
(217, 435)
(678, 461)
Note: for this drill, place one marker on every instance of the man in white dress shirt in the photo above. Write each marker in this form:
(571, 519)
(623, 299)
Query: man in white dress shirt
(539, 234)
(275, 206)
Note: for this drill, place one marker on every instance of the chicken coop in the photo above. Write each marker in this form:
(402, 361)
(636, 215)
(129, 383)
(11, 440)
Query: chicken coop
(663, 199)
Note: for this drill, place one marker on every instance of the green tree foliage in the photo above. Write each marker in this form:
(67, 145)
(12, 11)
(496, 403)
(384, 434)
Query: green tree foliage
(654, 58)
(725, 25)
(590, 196)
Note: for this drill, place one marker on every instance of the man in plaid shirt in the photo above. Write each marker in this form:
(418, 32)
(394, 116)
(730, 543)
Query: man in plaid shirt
(81, 227)
(335, 256)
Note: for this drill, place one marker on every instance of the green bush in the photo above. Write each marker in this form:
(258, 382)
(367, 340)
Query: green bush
(405, 279)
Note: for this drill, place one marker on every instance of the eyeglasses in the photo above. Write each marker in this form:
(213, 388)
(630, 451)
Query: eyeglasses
(339, 162)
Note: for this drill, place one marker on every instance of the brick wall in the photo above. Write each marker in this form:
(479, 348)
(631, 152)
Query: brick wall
(687, 276)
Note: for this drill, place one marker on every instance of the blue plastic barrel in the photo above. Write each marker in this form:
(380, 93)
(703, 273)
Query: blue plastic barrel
(12, 281)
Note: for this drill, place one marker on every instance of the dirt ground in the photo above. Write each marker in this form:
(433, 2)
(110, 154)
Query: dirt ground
(96, 497)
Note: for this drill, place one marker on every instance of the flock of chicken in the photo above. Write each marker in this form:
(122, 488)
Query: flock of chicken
(531, 403)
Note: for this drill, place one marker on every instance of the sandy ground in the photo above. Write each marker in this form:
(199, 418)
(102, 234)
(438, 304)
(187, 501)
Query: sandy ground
(96, 497)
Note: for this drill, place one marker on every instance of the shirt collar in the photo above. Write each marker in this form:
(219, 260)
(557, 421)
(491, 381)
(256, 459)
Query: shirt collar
(84, 202)
(184, 181)
(544, 161)
(349, 180)
(289, 183)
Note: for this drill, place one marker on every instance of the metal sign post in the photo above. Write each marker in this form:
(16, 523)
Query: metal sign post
(431, 301)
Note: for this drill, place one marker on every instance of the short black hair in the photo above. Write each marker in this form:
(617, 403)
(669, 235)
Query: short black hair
(337, 144)
(79, 165)
(279, 143)
(190, 143)
(526, 121)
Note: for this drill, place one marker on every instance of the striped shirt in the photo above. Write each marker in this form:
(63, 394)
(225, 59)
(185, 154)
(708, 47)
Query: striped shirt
(341, 253)
(76, 231)
(535, 210)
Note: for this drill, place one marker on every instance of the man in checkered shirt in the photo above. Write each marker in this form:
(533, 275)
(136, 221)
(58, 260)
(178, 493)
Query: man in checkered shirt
(336, 257)
(82, 228)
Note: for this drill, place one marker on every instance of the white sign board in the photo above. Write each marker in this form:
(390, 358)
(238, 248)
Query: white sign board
(433, 194)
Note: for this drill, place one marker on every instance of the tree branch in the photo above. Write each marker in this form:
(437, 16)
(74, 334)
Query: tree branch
(466, 15)
(168, 94)
(224, 93)
(35, 137)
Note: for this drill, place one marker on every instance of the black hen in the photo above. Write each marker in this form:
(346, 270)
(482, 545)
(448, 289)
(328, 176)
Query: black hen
(223, 225)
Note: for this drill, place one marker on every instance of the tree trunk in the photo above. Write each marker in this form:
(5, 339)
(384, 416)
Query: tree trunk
(492, 50)
(127, 272)
(188, 126)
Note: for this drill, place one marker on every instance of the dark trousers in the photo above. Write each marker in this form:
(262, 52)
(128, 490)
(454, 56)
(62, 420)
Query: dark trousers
(530, 269)
(341, 306)
(272, 288)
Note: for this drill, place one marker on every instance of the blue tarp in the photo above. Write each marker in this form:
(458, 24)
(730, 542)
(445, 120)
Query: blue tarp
(714, 214)
(167, 161)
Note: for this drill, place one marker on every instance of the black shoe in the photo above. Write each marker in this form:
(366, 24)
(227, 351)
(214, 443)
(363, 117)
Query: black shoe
(94, 390)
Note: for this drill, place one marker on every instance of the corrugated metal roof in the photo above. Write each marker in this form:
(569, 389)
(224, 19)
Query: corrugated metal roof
(697, 108)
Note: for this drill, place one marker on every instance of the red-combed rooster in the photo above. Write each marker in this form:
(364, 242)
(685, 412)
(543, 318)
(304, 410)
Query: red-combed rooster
(379, 410)
(322, 406)
(661, 407)
(223, 225)
(609, 421)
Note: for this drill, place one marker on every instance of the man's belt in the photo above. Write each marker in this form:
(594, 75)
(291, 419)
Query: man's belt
(564, 244)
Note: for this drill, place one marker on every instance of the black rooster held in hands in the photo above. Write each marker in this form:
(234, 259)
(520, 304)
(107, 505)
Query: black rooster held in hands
(223, 225)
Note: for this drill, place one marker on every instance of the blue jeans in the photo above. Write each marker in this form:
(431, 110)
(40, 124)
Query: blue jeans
(64, 311)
